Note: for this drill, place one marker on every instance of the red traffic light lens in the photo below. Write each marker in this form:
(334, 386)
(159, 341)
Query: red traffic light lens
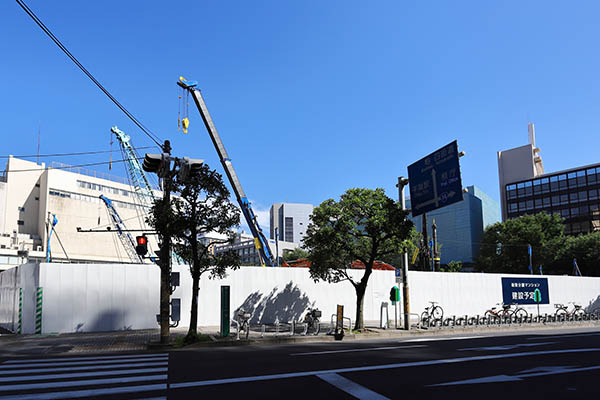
(142, 240)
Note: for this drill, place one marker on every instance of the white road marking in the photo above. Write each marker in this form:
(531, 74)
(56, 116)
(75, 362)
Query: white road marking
(90, 362)
(544, 337)
(374, 367)
(431, 339)
(352, 388)
(355, 350)
(509, 378)
(62, 384)
(30, 371)
(507, 346)
(85, 358)
(82, 374)
(85, 393)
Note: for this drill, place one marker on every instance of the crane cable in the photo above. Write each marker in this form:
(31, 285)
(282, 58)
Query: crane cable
(47, 31)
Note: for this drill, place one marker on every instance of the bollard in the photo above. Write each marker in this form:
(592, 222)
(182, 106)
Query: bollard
(293, 327)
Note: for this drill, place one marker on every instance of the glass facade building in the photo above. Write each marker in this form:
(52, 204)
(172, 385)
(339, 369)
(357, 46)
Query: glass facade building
(572, 193)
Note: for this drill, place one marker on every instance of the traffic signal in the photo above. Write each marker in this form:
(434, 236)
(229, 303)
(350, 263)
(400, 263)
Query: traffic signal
(395, 294)
(142, 245)
(189, 167)
(157, 163)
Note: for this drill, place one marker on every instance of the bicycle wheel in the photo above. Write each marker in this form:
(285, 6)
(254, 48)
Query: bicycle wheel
(424, 318)
(520, 313)
(578, 314)
(437, 312)
(560, 315)
(317, 326)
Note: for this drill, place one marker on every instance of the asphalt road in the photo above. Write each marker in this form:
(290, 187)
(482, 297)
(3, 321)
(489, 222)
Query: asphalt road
(560, 364)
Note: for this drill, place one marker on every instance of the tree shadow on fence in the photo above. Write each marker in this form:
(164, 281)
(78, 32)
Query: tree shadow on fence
(283, 306)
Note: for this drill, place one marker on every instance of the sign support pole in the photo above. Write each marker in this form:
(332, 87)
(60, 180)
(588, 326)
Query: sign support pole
(405, 298)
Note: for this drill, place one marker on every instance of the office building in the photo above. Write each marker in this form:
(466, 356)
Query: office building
(460, 225)
(31, 195)
(526, 189)
(290, 220)
(244, 246)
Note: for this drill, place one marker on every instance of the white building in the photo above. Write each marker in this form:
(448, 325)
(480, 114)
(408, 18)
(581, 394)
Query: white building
(290, 220)
(246, 249)
(30, 194)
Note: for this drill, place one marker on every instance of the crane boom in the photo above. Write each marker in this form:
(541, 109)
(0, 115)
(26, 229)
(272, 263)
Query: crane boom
(125, 238)
(260, 241)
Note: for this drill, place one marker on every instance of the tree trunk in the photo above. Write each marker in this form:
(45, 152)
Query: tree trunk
(193, 330)
(360, 296)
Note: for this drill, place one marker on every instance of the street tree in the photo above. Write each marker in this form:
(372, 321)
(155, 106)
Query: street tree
(363, 225)
(200, 206)
(504, 247)
(296, 254)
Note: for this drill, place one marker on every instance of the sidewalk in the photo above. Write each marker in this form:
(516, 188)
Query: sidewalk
(138, 340)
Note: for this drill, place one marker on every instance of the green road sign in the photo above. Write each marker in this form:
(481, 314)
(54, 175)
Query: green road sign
(537, 296)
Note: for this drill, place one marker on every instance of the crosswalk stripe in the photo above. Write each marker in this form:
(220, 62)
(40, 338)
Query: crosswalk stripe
(86, 358)
(85, 393)
(56, 364)
(88, 367)
(62, 384)
(81, 374)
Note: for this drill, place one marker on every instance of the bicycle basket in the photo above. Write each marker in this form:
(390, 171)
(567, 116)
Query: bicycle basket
(317, 313)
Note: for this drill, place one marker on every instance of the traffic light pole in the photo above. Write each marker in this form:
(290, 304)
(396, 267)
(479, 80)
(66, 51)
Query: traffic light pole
(405, 298)
(165, 258)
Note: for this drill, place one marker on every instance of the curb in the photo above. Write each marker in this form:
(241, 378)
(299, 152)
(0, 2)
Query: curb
(390, 334)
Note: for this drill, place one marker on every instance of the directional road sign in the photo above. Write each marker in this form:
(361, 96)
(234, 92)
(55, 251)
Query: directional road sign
(435, 180)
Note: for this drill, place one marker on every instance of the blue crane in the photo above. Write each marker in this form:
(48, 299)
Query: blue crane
(260, 241)
(124, 236)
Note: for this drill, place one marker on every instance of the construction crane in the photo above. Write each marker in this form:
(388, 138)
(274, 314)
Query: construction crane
(124, 236)
(260, 241)
(140, 182)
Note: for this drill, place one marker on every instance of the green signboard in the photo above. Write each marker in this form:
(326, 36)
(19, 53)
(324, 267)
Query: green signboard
(225, 322)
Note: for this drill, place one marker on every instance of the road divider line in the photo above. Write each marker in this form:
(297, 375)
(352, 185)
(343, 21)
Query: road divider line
(113, 362)
(357, 350)
(84, 382)
(544, 337)
(36, 370)
(350, 387)
(433, 339)
(85, 393)
(506, 346)
(86, 358)
(82, 374)
(212, 382)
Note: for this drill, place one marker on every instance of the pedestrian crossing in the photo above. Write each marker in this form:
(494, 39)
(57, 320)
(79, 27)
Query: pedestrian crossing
(133, 376)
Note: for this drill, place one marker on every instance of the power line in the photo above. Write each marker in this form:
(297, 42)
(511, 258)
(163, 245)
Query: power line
(47, 31)
(62, 167)
(70, 154)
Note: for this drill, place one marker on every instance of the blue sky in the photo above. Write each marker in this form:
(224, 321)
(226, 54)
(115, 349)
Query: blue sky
(311, 98)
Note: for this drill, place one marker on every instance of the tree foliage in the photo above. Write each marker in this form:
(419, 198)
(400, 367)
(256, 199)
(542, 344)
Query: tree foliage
(504, 244)
(201, 206)
(453, 266)
(363, 225)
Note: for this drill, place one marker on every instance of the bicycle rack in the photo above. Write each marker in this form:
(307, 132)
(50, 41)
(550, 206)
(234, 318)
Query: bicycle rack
(237, 328)
(332, 324)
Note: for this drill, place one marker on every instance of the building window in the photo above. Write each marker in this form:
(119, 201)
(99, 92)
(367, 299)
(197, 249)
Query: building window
(289, 229)
(593, 194)
(546, 201)
(20, 222)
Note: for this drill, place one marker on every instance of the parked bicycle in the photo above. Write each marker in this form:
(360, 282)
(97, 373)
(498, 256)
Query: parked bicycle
(511, 311)
(243, 320)
(563, 313)
(432, 314)
(312, 321)
(503, 312)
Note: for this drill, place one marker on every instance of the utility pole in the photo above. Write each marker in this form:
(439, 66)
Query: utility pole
(405, 293)
(165, 256)
(276, 246)
(436, 256)
(425, 253)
